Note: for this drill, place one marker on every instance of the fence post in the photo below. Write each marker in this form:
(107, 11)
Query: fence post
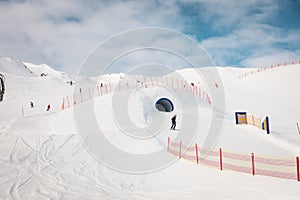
(197, 157)
(90, 94)
(180, 148)
(110, 88)
(101, 90)
(200, 92)
(74, 100)
(98, 91)
(208, 100)
(63, 104)
(221, 160)
(68, 100)
(298, 128)
(168, 144)
(253, 164)
(268, 125)
(22, 111)
(81, 97)
(106, 89)
(298, 168)
(145, 82)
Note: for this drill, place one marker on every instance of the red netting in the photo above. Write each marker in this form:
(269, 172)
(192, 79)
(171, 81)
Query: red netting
(275, 161)
(189, 157)
(280, 167)
(233, 167)
(276, 174)
(236, 156)
(209, 162)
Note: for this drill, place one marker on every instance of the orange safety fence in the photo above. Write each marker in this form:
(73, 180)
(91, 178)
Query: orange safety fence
(244, 118)
(254, 121)
(85, 95)
(261, 69)
(279, 167)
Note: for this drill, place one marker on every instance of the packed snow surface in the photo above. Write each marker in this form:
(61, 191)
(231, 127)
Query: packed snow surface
(42, 155)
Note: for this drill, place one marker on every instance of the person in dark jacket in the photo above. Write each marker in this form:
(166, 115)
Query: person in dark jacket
(48, 107)
(173, 119)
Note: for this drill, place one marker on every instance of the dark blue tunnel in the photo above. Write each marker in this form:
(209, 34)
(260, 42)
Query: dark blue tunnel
(164, 105)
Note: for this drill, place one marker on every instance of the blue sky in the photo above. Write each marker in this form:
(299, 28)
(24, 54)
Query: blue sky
(61, 34)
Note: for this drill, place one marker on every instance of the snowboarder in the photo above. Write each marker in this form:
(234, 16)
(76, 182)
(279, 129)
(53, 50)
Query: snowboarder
(48, 107)
(173, 119)
(31, 104)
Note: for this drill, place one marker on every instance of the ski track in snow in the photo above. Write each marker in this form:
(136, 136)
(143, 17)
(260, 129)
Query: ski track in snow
(54, 168)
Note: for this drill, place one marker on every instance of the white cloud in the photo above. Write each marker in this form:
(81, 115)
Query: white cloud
(245, 31)
(279, 57)
(254, 41)
(64, 32)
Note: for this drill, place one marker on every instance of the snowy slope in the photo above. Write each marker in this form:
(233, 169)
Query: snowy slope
(11, 66)
(20, 90)
(42, 155)
(46, 70)
(271, 93)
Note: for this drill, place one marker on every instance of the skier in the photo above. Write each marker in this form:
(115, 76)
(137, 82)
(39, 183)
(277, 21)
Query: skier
(173, 119)
(48, 107)
(31, 104)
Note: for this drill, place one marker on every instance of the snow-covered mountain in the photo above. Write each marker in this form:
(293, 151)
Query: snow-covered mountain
(45, 70)
(42, 155)
(15, 67)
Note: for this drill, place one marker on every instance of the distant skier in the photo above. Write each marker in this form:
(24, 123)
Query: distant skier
(173, 119)
(48, 107)
(31, 104)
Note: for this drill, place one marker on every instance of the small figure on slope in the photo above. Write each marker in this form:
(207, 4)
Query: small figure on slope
(173, 119)
(31, 104)
(48, 107)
